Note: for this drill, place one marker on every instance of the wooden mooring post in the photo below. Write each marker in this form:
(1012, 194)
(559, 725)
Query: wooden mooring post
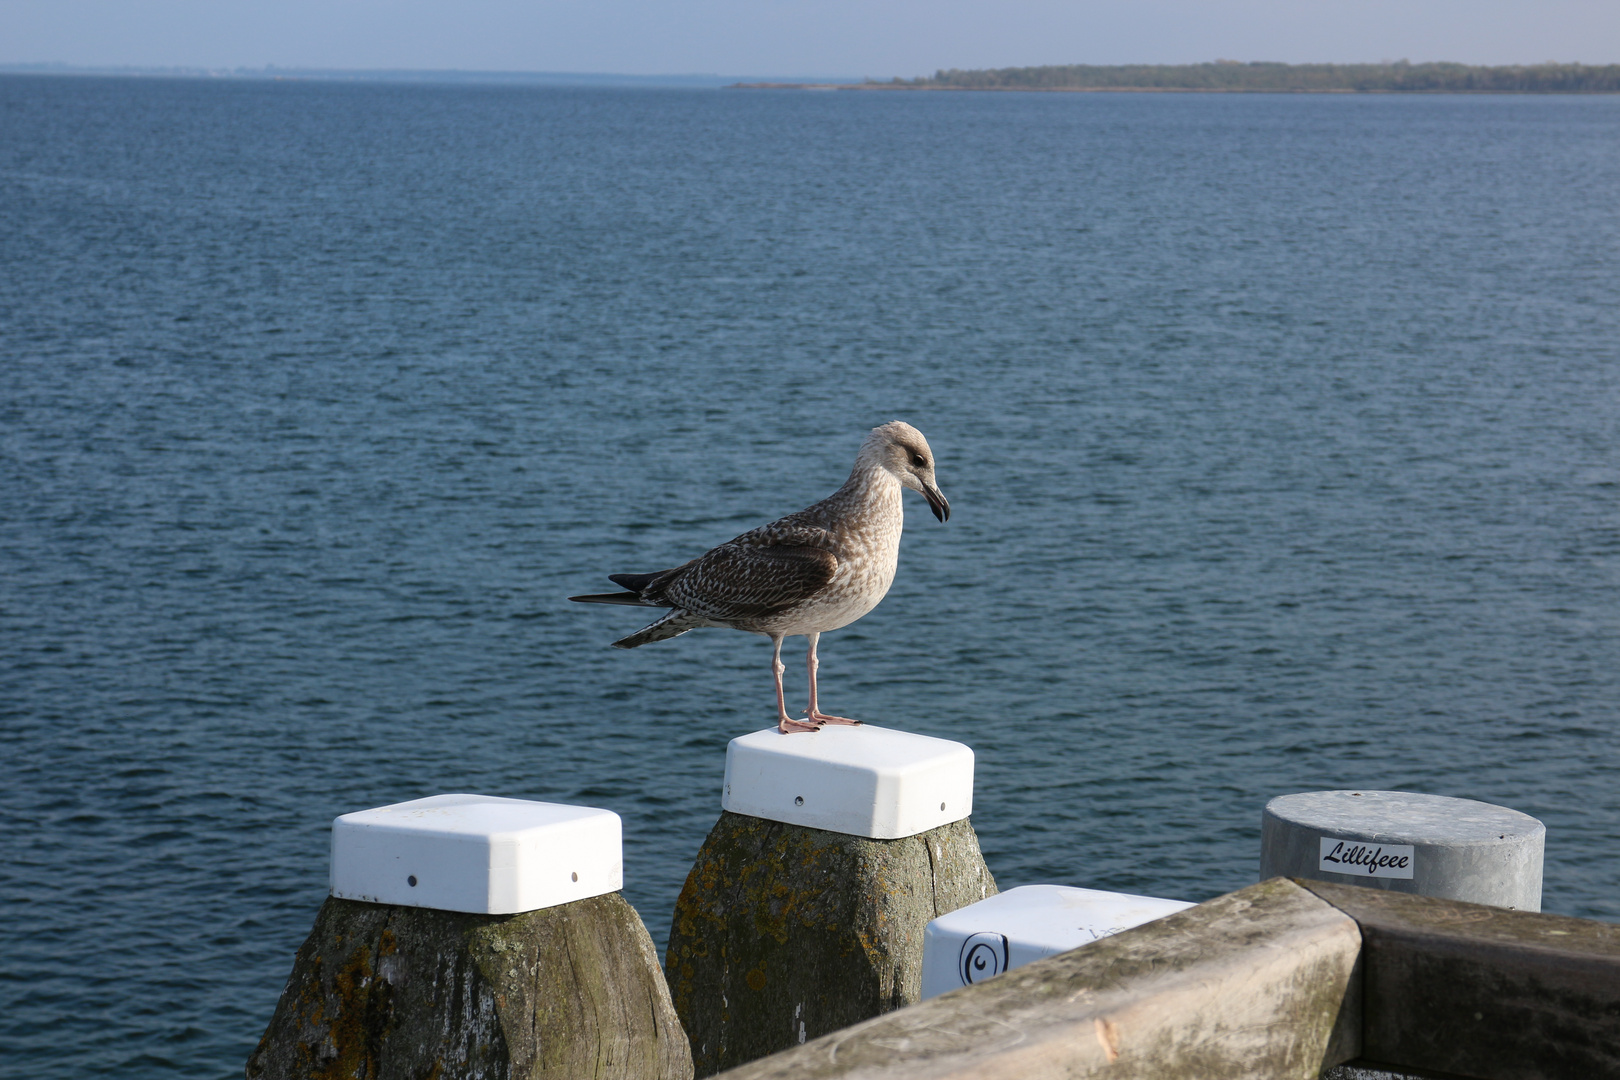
(805, 909)
(472, 937)
(1283, 979)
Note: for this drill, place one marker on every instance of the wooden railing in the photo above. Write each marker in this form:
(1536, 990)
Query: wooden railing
(1282, 979)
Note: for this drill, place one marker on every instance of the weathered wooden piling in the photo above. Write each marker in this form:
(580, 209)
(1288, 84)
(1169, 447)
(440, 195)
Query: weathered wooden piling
(383, 991)
(475, 937)
(784, 933)
(784, 930)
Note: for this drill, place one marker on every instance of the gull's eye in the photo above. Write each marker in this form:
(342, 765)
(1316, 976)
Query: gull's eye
(918, 461)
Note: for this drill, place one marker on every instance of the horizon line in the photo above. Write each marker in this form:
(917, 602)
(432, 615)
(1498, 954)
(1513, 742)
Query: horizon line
(277, 71)
(274, 72)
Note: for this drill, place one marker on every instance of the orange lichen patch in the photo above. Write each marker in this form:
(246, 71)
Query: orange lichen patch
(348, 1033)
(755, 979)
(388, 944)
(351, 980)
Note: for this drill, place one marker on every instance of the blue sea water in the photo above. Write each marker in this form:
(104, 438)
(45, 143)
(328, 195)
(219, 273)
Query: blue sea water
(1282, 436)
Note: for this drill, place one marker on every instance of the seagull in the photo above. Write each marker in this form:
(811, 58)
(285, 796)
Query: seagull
(807, 573)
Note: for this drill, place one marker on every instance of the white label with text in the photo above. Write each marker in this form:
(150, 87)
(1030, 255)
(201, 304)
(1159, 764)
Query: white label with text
(1367, 860)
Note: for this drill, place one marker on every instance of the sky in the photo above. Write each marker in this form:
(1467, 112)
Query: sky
(851, 38)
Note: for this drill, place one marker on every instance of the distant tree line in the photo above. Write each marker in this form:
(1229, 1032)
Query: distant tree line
(1232, 75)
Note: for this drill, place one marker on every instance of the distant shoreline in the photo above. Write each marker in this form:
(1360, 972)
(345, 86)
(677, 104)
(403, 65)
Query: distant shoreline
(1232, 77)
(1144, 89)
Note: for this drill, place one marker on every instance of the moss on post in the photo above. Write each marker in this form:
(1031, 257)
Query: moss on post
(783, 933)
(384, 992)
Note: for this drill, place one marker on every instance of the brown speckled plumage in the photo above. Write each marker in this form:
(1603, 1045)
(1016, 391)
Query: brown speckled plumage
(807, 573)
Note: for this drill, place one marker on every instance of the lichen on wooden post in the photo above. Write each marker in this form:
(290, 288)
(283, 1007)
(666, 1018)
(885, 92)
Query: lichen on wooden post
(784, 933)
(382, 991)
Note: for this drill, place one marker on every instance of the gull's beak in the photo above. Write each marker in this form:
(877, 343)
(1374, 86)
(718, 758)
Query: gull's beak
(937, 501)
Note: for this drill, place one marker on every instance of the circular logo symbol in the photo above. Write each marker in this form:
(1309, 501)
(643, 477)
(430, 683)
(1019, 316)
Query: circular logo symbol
(983, 955)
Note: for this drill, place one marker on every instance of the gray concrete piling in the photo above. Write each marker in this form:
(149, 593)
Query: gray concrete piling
(1430, 845)
(1402, 841)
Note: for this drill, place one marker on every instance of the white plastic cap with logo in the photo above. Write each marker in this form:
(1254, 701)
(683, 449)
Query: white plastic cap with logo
(1019, 926)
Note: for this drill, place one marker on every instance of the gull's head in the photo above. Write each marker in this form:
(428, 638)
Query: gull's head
(900, 450)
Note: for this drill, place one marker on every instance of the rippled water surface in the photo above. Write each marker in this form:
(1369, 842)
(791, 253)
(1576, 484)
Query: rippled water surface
(1281, 434)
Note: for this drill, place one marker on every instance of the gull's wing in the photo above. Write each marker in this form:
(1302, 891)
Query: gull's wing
(753, 575)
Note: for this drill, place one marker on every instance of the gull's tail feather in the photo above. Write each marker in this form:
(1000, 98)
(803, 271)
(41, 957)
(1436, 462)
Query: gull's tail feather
(610, 598)
(674, 624)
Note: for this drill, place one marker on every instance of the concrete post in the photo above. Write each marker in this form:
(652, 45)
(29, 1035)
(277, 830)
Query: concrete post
(1431, 845)
(1456, 849)
(805, 909)
(475, 937)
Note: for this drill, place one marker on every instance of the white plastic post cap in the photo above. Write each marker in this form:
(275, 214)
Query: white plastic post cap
(864, 781)
(1023, 925)
(477, 853)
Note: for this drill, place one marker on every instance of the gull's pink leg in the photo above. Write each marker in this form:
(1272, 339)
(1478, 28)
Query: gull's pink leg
(815, 714)
(785, 723)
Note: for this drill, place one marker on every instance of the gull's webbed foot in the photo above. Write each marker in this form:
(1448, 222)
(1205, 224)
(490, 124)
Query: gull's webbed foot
(823, 718)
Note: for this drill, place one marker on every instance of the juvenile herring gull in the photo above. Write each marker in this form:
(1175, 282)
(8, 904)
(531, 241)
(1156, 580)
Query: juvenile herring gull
(810, 572)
